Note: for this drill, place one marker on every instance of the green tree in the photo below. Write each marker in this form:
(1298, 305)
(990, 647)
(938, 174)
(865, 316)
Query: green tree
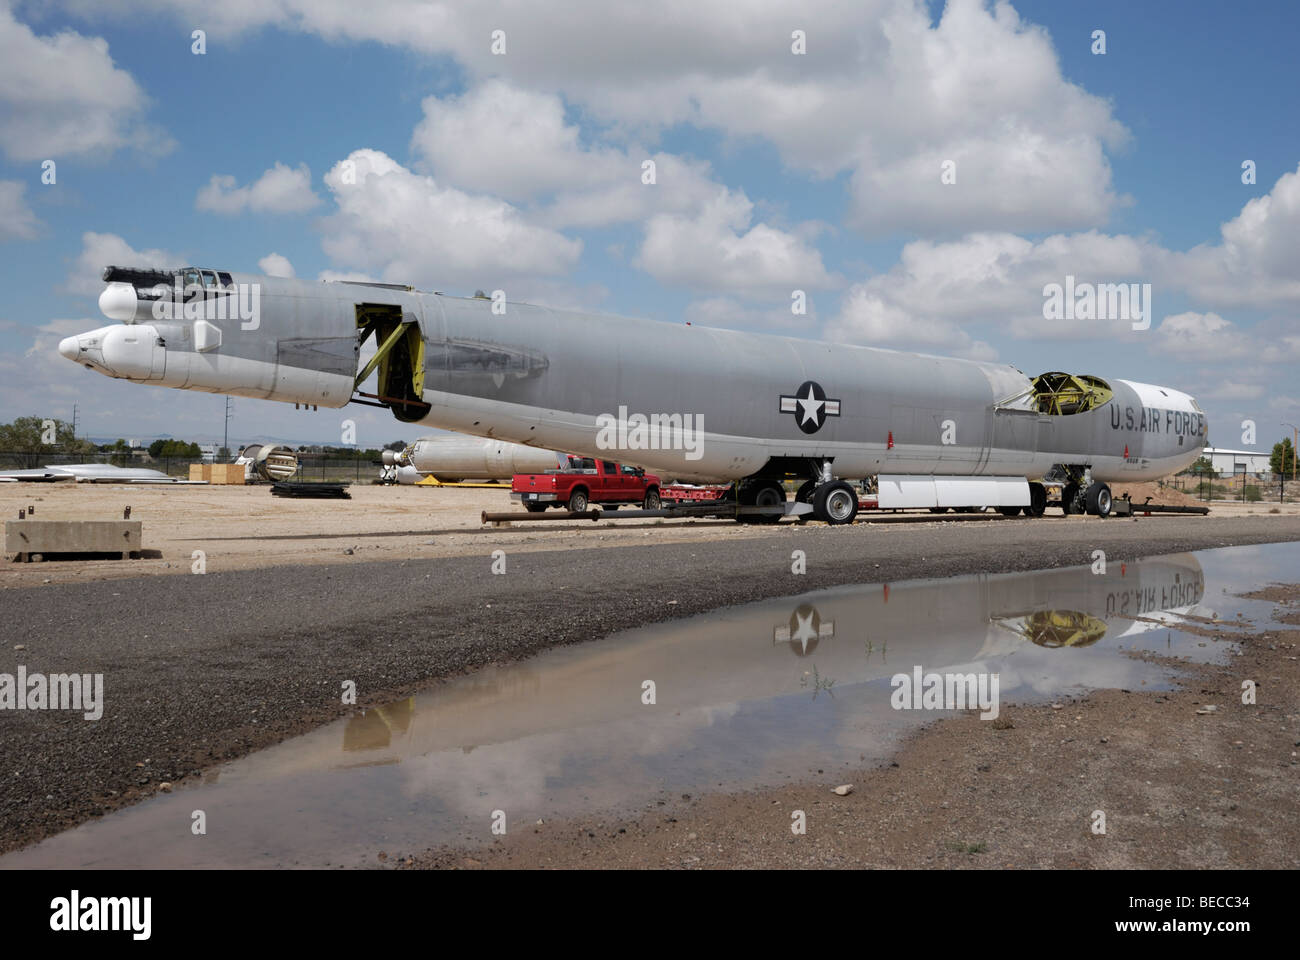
(1283, 457)
(1203, 466)
(120, 451)
(24, 440)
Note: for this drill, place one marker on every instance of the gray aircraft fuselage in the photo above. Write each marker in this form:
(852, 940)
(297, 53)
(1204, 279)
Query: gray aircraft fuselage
(722, 403)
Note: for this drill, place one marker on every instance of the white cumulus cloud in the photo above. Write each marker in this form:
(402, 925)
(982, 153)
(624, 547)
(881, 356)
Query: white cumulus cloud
(62, 95)
(17, 222)
(411, 229)
(274, 265)
(281, 189)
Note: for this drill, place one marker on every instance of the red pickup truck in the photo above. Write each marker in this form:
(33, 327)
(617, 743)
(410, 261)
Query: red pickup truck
(585, 481)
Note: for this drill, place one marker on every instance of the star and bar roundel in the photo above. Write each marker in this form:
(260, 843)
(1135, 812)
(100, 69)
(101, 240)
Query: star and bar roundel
(810, 406)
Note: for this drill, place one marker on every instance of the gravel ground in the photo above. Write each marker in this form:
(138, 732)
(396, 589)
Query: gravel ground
(202, 669)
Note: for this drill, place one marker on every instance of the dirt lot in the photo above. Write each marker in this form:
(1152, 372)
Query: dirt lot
(242, 528)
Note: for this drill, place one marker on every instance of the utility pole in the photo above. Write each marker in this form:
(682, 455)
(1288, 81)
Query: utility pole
(225, 443)
(74, 421)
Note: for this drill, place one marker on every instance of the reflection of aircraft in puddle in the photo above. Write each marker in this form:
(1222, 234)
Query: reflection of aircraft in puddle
(806, 627)
(706, 665)
(1058, 628)
(373, 729)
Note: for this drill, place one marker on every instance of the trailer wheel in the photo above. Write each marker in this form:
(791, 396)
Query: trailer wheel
(771, 494)
(535, 507)
(1037, 500)
(836, 503)
(1098, 500)
(578, 501)
(652, 500)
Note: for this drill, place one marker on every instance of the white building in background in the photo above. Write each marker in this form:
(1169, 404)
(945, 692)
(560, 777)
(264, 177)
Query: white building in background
(1229, 462)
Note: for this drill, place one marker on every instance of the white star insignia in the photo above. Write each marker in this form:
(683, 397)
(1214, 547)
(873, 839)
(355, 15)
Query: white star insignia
(811, 407)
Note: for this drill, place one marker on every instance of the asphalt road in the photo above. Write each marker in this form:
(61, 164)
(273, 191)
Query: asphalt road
(202, 669)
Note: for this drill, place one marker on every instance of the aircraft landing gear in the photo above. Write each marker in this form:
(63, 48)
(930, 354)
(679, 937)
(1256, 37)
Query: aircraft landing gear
(1069, 494)
(835, 503)
(1098, 500)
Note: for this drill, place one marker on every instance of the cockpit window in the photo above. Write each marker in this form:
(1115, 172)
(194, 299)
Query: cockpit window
(226, 280)
(189, 281)
(209, 280)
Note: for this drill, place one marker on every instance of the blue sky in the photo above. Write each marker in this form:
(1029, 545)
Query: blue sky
(776, 173)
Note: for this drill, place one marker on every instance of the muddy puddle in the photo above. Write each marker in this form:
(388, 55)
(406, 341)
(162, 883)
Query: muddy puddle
(789, 689)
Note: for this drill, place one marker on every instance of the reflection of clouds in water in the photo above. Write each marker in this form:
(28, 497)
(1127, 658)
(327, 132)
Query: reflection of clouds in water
(526, 772)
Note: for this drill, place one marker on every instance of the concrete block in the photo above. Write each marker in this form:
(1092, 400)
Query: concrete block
(26, 537)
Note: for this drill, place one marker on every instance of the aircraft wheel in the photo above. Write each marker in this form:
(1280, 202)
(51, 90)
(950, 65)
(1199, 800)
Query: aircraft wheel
(1098, 500)
(1068, 495)
(1009, 511)
(578, 501)
(652, 501)
(938, 509)
(1037, 500)
(806, 492)
(535, 507)
(836, 503)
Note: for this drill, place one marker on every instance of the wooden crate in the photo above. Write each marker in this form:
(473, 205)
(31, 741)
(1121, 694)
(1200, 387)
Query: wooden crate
(230, 473)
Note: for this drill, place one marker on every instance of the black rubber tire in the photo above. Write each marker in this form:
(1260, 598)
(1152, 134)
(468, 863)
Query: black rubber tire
(652, 501)
(1068, 493)
(806, 492)
(836, 503)
(577, 501)
(1037, 500)
(1099, 500)
(938, 509)
(769, 494)
(535, 507)
(1009, 511)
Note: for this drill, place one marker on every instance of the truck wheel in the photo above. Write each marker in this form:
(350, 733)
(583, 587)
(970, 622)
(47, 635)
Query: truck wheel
(1037, 500)
(535, 507)
(652, 501)
(1098, 500)
(836, 503)
(578, 501)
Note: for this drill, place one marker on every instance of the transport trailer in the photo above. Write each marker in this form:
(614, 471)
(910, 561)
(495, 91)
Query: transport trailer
(1125, 507)
(675, 501)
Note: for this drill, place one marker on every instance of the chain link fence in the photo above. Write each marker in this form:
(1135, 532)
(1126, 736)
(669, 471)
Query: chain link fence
(311, 467)
(1240, 487)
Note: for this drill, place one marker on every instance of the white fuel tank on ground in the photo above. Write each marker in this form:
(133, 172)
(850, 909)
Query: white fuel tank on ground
(455, 457)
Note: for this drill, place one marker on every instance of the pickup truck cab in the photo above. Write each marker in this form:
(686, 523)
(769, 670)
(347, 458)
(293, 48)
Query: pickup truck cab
(584, 481)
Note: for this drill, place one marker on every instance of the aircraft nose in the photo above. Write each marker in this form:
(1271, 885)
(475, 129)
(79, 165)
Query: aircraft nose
(69, 347)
